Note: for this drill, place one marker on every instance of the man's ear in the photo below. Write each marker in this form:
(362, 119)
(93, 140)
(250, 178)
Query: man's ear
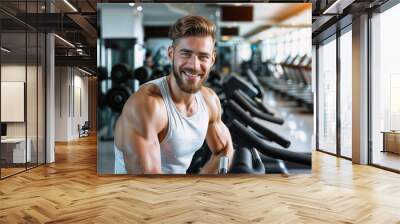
(171, 52)
(214, 55)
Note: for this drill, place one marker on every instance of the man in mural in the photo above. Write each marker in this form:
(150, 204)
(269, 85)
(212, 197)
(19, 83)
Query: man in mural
(168, 119)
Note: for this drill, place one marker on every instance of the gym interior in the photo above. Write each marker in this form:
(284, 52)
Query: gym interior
(308, 86)
(283, 115)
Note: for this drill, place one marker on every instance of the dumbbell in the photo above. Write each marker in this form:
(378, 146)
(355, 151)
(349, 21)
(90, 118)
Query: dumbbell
(199, 158)
(120, 73)
(157, 74)
(223, 165)
(101, 99)
(244, 161)
(117, 96)
(142, 74)
(102, 74)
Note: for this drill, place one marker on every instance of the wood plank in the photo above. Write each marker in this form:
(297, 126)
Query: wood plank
(70, 191)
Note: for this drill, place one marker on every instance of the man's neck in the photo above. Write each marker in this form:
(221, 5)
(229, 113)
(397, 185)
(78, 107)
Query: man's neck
(178, 96)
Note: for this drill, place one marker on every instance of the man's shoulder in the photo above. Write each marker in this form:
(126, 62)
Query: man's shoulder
(208, 93)
(148, 94)
(147, 101)
(211, 99)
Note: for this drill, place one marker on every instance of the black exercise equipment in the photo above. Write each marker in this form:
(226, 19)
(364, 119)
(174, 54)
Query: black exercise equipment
(256, 103)
(199, 159)
(117, 96)
(242, 101)
(83, 130)
(233, 110)
(246, 161)
(102, 73)
(101, 99)
(167, 69)
(231, 83)
(157, 74)
(214, 81)
(142, 74)
(214, 75)
(274, 165)
(120, 73)
(246, 138)
(291, 79)
(254, 81)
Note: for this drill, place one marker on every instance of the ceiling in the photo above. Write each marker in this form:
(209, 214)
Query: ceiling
(157, 14)
(77, 22)
(333, 15)
(74, 22)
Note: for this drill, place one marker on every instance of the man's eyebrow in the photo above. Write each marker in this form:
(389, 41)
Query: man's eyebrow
(190, 51)
(204, 54)
(186, 50)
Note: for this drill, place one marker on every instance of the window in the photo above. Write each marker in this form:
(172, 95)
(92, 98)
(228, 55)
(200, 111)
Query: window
(385, 89)
(346, 94)
(22, 65)
(327, 96)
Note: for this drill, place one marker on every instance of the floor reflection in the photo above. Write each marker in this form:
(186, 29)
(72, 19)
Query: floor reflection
(298, 126)
(386, 159)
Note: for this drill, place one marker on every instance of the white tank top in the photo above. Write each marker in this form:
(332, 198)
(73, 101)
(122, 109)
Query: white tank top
(185, 134)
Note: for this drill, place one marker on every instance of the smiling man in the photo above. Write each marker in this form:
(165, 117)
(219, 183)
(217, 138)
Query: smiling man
(168, 119)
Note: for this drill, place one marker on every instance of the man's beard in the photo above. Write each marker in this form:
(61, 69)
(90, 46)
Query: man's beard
(187, 88)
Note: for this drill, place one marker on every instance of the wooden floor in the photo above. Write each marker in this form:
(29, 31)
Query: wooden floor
(387, 159)
(70, 191)
(10, 171)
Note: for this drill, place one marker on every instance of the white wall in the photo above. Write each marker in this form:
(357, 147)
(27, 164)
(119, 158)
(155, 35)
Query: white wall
(33, 126)
(61, 106)
(79, 117)
(16, 72)
(71, 87)
(117, 15)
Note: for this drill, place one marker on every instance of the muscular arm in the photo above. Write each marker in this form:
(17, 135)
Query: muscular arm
(218, 137)
(137, 131)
